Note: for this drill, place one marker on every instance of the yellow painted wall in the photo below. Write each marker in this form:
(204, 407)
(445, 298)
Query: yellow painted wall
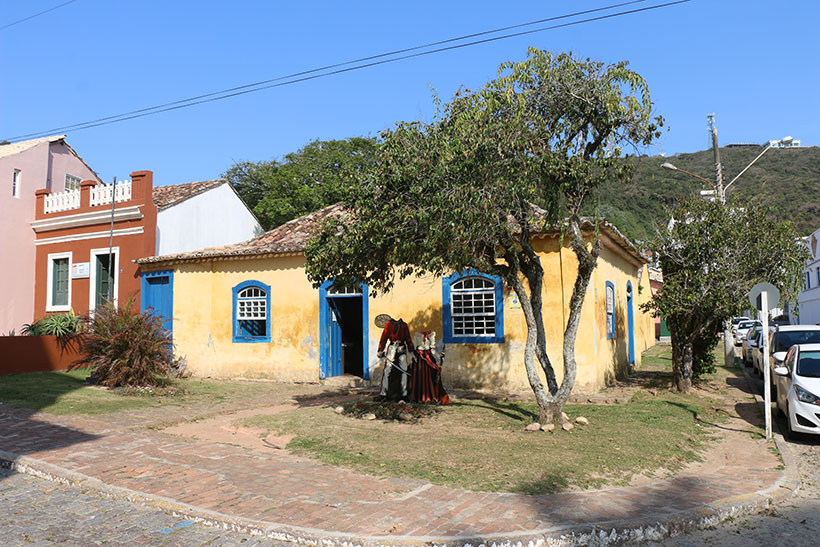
(203, 322)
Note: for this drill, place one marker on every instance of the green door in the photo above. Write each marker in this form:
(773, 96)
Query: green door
(104, 280)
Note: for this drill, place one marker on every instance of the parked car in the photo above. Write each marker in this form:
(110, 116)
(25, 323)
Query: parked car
(737, 320)
(757, 352)
(749, 343)
(797, 386)
(742, 328)
(784, 337)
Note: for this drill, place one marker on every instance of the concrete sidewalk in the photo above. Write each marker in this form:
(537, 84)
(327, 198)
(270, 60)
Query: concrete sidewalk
(289, 498)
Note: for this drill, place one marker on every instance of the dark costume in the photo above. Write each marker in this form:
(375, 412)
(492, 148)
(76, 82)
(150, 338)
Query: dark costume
(426, 386)
(395, 346)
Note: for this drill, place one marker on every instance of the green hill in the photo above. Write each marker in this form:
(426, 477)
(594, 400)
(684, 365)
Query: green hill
(787, 180)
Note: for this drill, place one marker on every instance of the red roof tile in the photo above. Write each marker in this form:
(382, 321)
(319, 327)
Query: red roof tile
(288, 238)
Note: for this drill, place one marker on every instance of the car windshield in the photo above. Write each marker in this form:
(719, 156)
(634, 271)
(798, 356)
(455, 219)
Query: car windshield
(784, 340)
(808, 364)
(752, 334)
(745, 324)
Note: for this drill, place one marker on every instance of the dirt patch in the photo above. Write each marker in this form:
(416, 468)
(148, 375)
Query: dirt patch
(229, 430)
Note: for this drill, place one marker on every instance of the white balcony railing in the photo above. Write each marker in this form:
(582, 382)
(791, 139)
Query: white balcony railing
(101, 194)
(62, 201)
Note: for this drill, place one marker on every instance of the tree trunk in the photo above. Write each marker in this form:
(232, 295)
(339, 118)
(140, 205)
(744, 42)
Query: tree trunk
(682, 353)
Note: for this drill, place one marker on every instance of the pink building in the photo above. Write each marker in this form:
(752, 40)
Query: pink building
(27, 166)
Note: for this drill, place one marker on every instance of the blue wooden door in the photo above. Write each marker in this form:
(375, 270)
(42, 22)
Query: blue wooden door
(335, 341)
(158, 296)
(630, 323)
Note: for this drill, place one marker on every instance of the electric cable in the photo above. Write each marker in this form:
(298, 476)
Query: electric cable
(310, 74)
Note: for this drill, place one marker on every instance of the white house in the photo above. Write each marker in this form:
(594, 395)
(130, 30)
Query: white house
(809, 297)
(196, 215)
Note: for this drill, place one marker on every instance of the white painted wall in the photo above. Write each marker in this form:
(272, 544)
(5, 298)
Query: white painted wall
(809, 299)
(211, 219)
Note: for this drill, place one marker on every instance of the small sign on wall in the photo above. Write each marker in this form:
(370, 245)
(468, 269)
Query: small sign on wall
(79, 270)
(515, 304)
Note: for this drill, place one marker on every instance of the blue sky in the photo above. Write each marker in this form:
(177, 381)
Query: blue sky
(752, 63)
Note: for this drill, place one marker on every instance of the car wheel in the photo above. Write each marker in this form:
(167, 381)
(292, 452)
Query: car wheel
(777, 404)
(789, 434)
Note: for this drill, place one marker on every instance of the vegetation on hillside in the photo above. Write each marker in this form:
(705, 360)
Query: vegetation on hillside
(787, 181)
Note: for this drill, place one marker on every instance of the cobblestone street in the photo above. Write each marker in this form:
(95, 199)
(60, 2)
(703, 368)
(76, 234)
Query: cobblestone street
(34, 511)
(795, 522)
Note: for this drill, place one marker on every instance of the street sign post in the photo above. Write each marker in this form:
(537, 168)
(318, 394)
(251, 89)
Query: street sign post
(761, 297)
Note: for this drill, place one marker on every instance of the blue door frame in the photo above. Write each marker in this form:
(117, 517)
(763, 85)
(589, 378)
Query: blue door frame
(157, 292)
(330, 335)
(630, 323)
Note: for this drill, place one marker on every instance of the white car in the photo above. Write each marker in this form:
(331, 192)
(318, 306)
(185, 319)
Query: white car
(784, 337)
(798, 386)
(742, 328)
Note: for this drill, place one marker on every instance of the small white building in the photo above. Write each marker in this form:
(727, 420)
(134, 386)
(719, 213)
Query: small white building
(196, 215)
(809, 297)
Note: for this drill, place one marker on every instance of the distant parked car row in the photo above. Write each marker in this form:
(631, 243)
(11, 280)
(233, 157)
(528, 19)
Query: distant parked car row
(794, 361)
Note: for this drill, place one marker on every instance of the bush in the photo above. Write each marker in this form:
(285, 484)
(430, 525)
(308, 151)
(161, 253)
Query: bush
(125, 347)
(58, 324)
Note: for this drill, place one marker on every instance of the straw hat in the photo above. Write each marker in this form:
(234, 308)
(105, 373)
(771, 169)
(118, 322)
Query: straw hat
(382, 319)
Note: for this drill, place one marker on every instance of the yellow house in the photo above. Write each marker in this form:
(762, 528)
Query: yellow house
(248, 311)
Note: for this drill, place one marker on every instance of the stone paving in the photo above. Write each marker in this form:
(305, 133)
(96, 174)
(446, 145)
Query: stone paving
(292, 498)
(794, 522)
(40, 512)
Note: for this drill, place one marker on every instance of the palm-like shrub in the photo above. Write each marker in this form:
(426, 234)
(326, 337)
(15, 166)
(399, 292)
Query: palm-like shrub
(58, 324)
(125, 347)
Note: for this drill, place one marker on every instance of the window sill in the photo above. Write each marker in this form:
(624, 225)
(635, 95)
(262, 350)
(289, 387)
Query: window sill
(261, 339)
(473, 340)
(67, 307)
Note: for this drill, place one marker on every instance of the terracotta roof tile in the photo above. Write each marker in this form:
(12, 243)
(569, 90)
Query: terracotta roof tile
(290, 237)
(168, 196)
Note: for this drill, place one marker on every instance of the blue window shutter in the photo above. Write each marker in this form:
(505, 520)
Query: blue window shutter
(241, 335)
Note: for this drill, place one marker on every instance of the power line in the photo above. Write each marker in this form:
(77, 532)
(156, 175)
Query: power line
(37, 14)
(329, 67)
(311, 74)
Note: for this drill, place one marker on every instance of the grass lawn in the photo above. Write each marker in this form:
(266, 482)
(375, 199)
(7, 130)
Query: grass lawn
(480, 443)
(67, 393)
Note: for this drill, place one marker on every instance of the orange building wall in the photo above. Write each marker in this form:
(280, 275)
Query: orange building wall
(131, 246)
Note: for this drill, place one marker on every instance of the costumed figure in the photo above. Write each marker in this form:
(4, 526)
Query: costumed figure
(395, 346)
(426, 383)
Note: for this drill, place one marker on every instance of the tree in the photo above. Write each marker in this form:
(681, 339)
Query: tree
(459, 192)
(303, 181)
(711, 256)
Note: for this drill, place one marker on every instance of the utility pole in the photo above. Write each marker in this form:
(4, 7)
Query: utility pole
(718, 166)
(728, 342)
(111, 273)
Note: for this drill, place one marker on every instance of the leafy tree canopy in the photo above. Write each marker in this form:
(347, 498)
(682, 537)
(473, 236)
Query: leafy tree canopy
(711, 256)
(458, 192)
(303, 181)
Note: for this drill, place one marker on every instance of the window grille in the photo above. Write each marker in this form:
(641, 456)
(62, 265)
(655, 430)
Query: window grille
(72, 182)
(251, 304)
(610, 310)
(473, 304)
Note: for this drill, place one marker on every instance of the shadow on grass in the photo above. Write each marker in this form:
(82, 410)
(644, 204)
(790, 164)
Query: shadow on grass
(510, 409)
(332, 396)
(23, 433)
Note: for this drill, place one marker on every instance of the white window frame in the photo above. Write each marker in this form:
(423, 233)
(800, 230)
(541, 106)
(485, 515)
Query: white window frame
(16, 182)
(488, 318)
(73, 178)
(246, 313)
(92, 267)
(50, 282)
